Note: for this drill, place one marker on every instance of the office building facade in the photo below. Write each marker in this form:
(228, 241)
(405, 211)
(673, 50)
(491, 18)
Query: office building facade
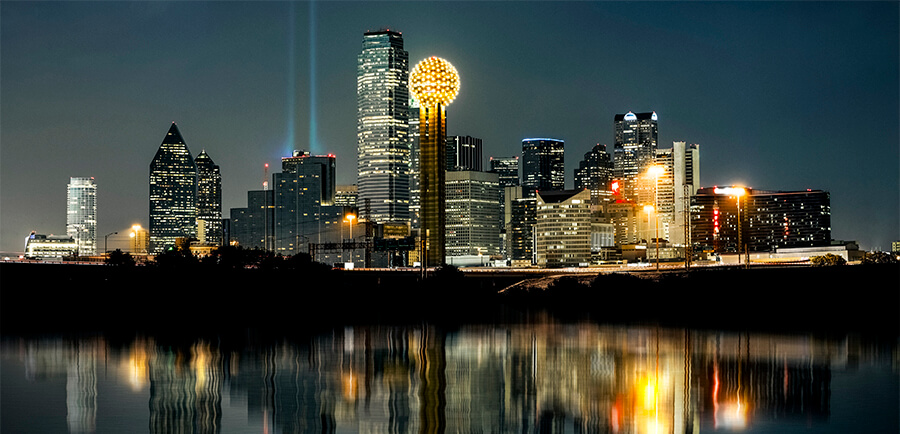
(543, 165)
(636, 141)
(173, 193)
(253, 227)
(305, 186)
(464, 153)
(507, 168)
(81, 214)
(473, 208)
(383, 126)
(595, 173)
(563, 228)
(209, 200)
(735, 219)
(520, 230)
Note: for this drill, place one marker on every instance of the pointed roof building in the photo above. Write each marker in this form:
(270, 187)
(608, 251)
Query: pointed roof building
(173, 193)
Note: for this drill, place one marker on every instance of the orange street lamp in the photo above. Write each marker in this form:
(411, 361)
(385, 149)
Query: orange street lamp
(349, 218)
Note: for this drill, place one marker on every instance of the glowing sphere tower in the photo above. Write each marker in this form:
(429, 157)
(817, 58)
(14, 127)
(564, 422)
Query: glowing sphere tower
(434, 83)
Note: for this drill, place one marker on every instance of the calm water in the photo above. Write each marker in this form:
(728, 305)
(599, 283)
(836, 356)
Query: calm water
(528, 378)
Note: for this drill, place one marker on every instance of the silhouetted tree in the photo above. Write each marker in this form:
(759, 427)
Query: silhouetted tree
(119, 258)
(828, 260)
(878, 258)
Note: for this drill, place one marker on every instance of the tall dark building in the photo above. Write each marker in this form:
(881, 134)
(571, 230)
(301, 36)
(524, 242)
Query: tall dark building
(520, 233)
(382, 125)
(595, 173)
(768, 219)
(464, 153)
(543, 165)
(305, 185)
(209, 200)
(507, 168)
(253, 227)
(173, 193)
(637, 137)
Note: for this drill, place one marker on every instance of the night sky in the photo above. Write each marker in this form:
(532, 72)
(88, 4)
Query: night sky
(780, 96)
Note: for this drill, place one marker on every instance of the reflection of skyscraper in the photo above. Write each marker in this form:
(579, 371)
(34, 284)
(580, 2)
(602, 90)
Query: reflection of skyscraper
(173, 192)
(434, 83)
(209, 199)
(81, 214)
(543, 165)
(635, 148)
(382, 125)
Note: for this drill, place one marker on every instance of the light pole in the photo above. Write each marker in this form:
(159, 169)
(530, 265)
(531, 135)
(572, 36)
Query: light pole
(106, 243)
(349, 218)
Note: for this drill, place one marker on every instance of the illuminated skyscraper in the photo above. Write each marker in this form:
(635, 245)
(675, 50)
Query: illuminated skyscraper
(81, 214)
(434, 83)
(209, 200)
(473, 213)
(635, 148)
(508, 170)
(382, 126)
(173, 193)
(303, 189)
(543, 165)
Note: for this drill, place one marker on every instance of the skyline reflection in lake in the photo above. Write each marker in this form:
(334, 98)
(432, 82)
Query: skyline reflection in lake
(543, 377)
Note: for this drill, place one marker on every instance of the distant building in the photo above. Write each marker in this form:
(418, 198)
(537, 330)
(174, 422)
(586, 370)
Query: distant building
(768, 220)
(464, 153)
(415, 195)
(382, 89)
(520, 230)
(508, 170)
(543, 165)
(473, 208)
(173, 193)
(253, 226)
(305, 185)
(50, 247)
(139, 240)
(209, 200)
(595, 173)
(346, 195)
(563, 228)
(81, 214)
(686, 182)
(636, 140)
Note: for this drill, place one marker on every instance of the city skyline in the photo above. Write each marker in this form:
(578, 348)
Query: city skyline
(773, 92)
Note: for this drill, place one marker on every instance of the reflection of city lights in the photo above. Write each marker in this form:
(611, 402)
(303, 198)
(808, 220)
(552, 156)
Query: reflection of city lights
(350, 384)
(135, 367)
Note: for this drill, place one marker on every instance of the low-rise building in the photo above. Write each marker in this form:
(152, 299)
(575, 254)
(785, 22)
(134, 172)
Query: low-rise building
(563, 228)
(50, 247)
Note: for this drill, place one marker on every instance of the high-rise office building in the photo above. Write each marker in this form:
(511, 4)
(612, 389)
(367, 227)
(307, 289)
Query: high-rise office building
(595, 173)
(382, 125)
(473, 210)
(304, 187)
(81, 214)
(543, 165)
(434, 82)
(563, 228)
(464, 153)
(209, 200)
(253, 227)
(637, 136)
(173, 193)
(508, 170)
(686, 182)
(414, 193)
(346, 196)
(520, 230)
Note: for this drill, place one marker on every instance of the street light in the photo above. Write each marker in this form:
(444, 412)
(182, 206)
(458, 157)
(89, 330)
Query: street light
(349, 218)
(106, 242)
(649, 210)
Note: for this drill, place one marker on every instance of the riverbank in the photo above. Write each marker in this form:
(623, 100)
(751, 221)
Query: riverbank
(61, 297)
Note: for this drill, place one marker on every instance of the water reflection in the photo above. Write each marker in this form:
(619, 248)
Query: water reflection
(546, 377)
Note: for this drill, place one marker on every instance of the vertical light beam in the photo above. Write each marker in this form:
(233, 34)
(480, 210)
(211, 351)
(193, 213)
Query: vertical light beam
(313, 125)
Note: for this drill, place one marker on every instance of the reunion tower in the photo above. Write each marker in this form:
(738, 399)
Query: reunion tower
(434, 82)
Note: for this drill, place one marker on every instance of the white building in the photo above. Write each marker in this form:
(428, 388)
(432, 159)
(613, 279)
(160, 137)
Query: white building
(563, 228)
(81, 214)
(50, 247)
(472, 213)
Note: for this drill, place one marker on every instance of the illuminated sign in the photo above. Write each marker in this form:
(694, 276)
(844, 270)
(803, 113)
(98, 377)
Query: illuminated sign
(614, 186)
(730, 191)
(630, 117)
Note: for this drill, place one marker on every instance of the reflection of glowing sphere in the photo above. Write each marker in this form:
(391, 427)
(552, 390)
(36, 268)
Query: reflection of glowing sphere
(434, 81)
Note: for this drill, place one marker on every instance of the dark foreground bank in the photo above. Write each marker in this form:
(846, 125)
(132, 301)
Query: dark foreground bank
(60, 298)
